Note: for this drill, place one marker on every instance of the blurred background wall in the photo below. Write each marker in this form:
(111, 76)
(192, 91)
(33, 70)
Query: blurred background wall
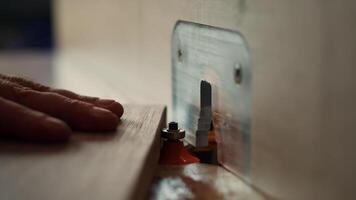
(25, 24)
(303, 54)
(27, 39)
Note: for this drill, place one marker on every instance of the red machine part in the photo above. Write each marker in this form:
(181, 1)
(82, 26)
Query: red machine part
(173, 151)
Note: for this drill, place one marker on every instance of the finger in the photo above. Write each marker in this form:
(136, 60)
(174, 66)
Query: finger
(23, 123)
(78, 114)
(108, 104)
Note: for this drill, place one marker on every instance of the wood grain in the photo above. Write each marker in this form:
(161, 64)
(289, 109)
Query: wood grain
(107, 166)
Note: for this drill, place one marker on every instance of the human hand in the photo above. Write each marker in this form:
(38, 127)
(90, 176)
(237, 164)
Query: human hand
(34, 112)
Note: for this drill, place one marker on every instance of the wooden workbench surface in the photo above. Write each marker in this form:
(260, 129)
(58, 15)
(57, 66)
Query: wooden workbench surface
(200, 181)
(96, 166)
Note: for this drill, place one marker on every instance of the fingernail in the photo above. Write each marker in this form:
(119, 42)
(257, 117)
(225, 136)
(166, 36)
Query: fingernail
(111, 105)
(103, 120)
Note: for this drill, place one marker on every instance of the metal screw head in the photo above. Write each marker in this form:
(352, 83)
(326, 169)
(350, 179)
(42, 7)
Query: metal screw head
(238, 73)
(173, 132)
(172, 126)
(180, 55)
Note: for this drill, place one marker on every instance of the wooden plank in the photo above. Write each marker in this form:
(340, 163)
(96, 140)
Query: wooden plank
(91, 166)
